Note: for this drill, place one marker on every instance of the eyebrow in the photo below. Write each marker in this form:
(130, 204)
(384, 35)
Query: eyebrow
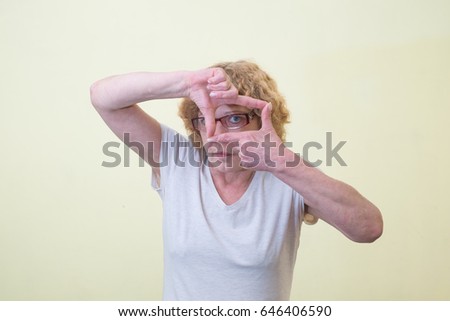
(233, 112)
(230, 112)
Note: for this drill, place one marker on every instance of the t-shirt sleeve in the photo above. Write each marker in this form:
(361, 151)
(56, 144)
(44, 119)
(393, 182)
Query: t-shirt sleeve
(174, 153)
(301, 204)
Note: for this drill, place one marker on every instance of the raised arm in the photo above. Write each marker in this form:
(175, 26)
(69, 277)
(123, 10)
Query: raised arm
(331, 200)
(116, 98)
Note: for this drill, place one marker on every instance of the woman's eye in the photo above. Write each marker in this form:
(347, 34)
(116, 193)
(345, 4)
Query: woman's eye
(235, 119)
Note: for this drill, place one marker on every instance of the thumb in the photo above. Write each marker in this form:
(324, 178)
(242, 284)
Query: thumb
(266, 116)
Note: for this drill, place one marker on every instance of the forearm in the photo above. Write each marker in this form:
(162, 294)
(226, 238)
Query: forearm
(125, 90)
(331, 200)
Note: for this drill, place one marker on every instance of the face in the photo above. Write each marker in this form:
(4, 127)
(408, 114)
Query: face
(225, 157)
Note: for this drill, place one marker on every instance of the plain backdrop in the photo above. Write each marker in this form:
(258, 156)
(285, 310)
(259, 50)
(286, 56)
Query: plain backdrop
(374, 73)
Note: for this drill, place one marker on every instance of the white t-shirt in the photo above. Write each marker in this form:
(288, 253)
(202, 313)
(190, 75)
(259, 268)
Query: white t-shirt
(213, 251)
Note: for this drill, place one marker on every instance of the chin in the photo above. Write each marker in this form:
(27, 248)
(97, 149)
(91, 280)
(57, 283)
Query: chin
(225, 164)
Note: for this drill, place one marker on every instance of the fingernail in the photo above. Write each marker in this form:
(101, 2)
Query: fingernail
(213, 94)
(270, 106)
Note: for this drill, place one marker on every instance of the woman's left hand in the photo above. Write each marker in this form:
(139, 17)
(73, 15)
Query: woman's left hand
(258, 149)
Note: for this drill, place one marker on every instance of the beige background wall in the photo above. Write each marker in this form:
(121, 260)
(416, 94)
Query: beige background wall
(374, 73)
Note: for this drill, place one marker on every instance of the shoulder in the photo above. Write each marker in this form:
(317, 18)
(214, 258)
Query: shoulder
(169, 134)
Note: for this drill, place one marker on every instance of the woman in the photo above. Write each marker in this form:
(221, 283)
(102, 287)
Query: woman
(234, 196)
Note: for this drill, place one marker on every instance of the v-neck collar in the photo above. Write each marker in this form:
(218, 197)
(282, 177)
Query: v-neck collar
(212, 190)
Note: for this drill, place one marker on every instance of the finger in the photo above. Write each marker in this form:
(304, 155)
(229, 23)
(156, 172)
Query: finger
(266, 116)
(250, 102)
(210, 121)
(218, 76)
(240, 100)
(226, 137)
(248, 161)
(224, 85)
(230, 95)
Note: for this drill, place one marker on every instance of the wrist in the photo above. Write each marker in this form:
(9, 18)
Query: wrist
(286, 161)
(188, 79)
(184, 83)
(195, 79)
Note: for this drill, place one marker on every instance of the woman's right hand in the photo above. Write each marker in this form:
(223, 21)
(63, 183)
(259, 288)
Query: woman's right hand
(212, 87)
(208, 89)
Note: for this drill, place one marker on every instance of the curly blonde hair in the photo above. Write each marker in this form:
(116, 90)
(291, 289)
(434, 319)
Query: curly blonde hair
(250, 80)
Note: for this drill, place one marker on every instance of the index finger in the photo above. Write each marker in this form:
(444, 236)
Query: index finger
(250, 102)
(210, 121)
(226, 137)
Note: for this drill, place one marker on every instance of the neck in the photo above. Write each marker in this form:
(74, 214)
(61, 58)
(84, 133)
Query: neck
(232, 178)
(231, 185)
